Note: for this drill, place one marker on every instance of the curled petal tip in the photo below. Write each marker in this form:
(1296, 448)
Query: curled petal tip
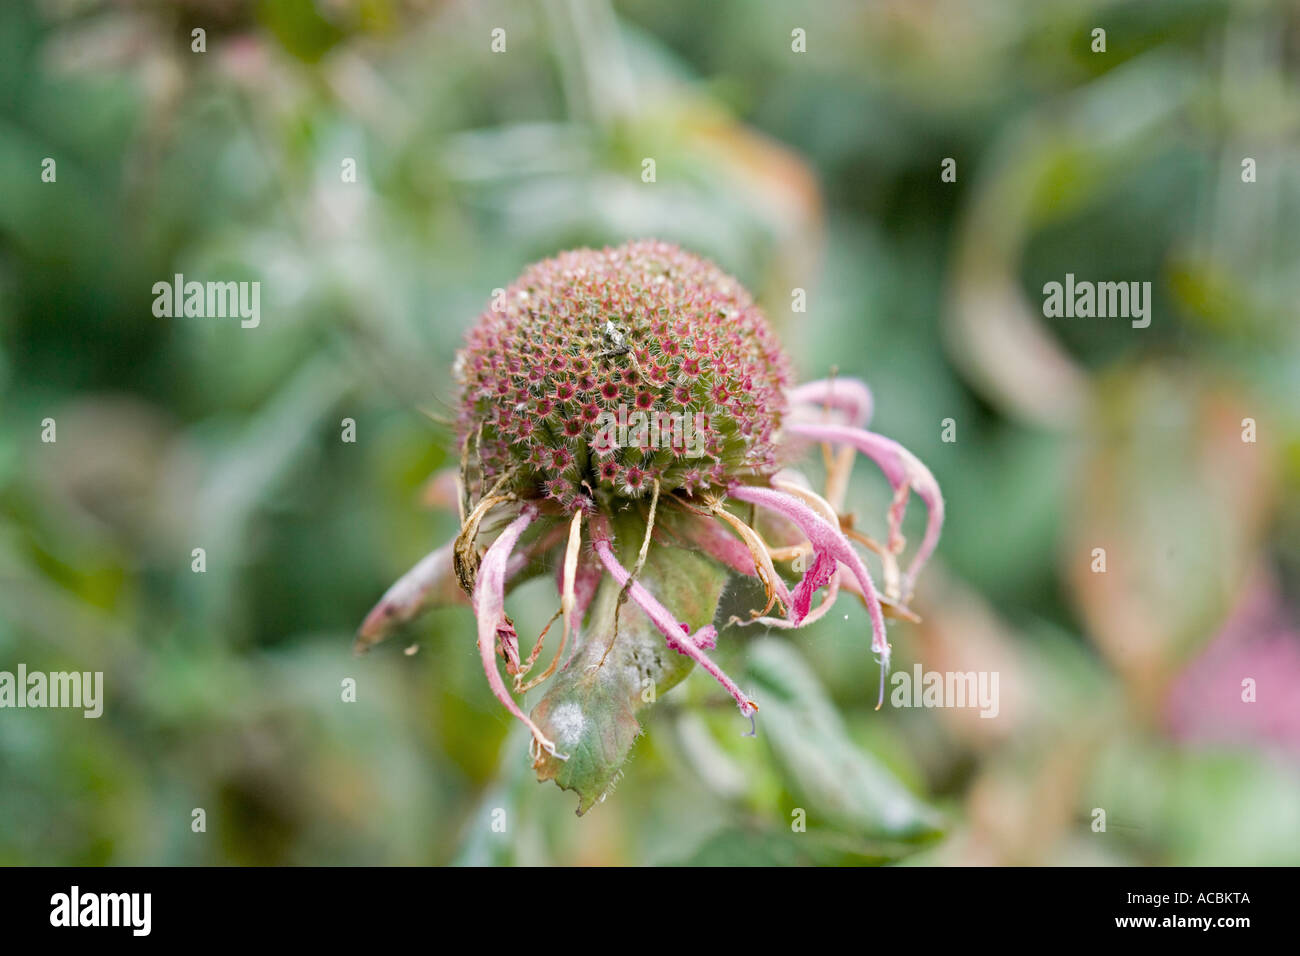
(428, 584)
(381, 619)
(825, 539)
(848, 395)
(376, 622)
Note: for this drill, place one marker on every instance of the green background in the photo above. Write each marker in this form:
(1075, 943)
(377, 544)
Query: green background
(816, 170)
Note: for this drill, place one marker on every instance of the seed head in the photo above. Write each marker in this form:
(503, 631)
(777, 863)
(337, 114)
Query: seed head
(643, 334)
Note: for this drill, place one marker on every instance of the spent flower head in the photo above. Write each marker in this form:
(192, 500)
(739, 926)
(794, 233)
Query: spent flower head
(627, 421)
(645, 328)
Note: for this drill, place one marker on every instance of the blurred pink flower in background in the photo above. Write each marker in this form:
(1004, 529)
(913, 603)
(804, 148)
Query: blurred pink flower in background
(1209, 701)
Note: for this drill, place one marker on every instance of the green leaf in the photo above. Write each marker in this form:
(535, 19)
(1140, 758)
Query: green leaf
(841, 787)
(590, 707)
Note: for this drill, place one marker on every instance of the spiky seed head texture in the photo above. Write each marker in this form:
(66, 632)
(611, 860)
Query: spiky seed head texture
(644, 327)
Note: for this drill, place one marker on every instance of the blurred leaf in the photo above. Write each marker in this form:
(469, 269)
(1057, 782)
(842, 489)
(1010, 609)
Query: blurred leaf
(1177, 501)
(762, 847)
(840, 786)
(1199, 808)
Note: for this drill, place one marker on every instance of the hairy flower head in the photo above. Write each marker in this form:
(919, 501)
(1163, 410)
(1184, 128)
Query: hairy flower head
(642, 332)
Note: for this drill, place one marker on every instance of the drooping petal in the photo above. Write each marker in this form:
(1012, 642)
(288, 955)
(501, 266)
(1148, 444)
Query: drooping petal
(814, 615)
(904, 471)
(489, 607)
(508, 643)
(848, 395)
(824, 565)
(715, 541)
(824, 538)
(891, 608)
(431, 582)
(677, 635)
(577, 579)
(761, 557)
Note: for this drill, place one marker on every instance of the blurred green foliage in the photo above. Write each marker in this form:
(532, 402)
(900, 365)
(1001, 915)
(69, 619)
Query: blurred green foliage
(818, 170)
